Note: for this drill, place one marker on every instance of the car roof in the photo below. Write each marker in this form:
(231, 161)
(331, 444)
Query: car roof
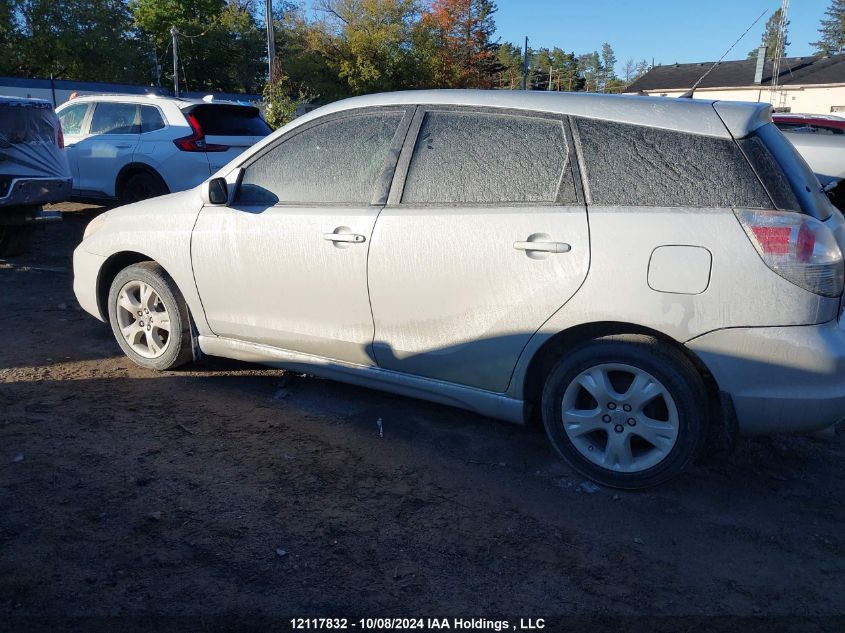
(151, 97)
(696, 116)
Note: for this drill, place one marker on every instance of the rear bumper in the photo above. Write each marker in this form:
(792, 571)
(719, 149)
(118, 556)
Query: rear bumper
(34, 191)
(781, 379)
(86, 271)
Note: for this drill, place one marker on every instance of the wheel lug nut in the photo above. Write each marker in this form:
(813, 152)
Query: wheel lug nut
(611, 406)
(605, 418)
(632, 422)
(626, 407)
(140, 313)
(618, 428)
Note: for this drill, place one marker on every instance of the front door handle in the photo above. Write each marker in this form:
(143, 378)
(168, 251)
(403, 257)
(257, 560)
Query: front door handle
(124, 145)
(545, 247)
(344, 237)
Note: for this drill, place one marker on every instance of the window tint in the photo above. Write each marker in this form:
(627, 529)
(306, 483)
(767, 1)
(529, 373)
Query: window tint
(230, 120)
(72, 118)
(151, 119)
(470, 157)
(114, 118)
(632, 165)
(337, 161)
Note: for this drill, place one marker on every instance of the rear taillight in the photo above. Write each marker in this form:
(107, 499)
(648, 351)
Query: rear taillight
(196, 141)
(60, 138)
(798, 248)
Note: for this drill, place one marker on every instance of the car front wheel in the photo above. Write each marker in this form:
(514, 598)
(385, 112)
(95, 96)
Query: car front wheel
(149, 317)
(626, 411)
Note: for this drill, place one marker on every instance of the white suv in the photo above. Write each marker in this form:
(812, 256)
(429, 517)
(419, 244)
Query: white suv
(130, 148)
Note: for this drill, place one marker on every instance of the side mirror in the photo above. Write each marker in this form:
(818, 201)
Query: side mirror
(215, 191)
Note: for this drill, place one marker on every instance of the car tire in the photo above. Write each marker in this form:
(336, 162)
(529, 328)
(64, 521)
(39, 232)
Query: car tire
(627, 411)
(149, 317)
(15, 240)
(141, 186)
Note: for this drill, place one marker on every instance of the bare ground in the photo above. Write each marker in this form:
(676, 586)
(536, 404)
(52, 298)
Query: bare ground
(230, 489)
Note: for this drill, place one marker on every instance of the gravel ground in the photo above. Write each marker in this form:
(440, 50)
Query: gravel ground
(230, 491)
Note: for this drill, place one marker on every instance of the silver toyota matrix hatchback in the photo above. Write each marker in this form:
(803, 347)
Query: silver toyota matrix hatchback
(645, 275)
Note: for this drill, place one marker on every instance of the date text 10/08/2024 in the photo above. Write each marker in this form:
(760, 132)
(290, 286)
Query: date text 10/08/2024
(418, 624)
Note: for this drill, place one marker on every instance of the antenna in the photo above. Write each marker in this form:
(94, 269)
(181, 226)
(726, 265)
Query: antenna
(691, 91)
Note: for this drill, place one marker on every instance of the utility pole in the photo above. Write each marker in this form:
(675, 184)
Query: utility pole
(271, 40)
(525, 66)
(174, 33)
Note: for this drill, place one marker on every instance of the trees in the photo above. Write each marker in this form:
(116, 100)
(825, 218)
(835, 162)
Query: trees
(460, 43)
(770, 38)
(79, 39)
(221, 46)
(370, 44)
(832, 29)
(608, 67)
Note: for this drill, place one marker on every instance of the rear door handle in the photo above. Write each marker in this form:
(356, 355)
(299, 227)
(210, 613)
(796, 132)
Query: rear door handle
(545, 247)
(124, 145)
(344, 237)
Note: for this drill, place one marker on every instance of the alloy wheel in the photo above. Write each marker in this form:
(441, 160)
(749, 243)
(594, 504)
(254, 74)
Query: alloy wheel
(143, 319)
(620, 417)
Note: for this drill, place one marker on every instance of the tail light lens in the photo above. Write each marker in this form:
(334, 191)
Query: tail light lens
(60, 138)
(798, 248)
(196, 141)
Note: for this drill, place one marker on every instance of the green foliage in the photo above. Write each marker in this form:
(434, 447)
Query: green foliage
(331, 48)
(80, 39)
(832, 29)
(770, 38)
(280, 106)
(220, 47)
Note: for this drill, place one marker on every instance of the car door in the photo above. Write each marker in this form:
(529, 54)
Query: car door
(286, 264)
(484, 237)
(111, 141)
(74, 120)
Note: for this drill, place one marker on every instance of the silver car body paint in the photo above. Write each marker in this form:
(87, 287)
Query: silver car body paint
(824, 153)
(460, 347)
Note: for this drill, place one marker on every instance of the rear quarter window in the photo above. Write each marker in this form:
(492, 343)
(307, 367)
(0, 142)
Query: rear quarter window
(230, 120)
(631, 165)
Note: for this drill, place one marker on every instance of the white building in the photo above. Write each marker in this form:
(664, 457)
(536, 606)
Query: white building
(812, 85)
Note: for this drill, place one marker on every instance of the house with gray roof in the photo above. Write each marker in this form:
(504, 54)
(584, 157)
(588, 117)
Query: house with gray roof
(813, 85)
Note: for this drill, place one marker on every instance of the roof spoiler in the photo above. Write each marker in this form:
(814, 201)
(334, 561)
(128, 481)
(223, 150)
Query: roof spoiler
(742, 119)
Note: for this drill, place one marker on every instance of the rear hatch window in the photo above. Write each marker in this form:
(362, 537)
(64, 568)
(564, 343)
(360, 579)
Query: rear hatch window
(788, 179)
(230, 120)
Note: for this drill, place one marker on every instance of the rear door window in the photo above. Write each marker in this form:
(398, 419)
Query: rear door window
(114, 118)
(632, 165)
(338, 161)
(494, 159)
(230, 120)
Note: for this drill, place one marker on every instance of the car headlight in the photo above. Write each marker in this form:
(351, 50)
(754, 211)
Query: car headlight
(94, 225)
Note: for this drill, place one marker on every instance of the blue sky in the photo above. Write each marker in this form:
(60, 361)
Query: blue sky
(668, 30)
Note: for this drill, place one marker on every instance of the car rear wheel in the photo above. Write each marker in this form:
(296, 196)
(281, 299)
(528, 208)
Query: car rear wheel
(149, 317)
(626, 411)
(141, 186)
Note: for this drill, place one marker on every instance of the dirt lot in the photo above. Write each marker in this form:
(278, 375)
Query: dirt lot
(229, 489)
